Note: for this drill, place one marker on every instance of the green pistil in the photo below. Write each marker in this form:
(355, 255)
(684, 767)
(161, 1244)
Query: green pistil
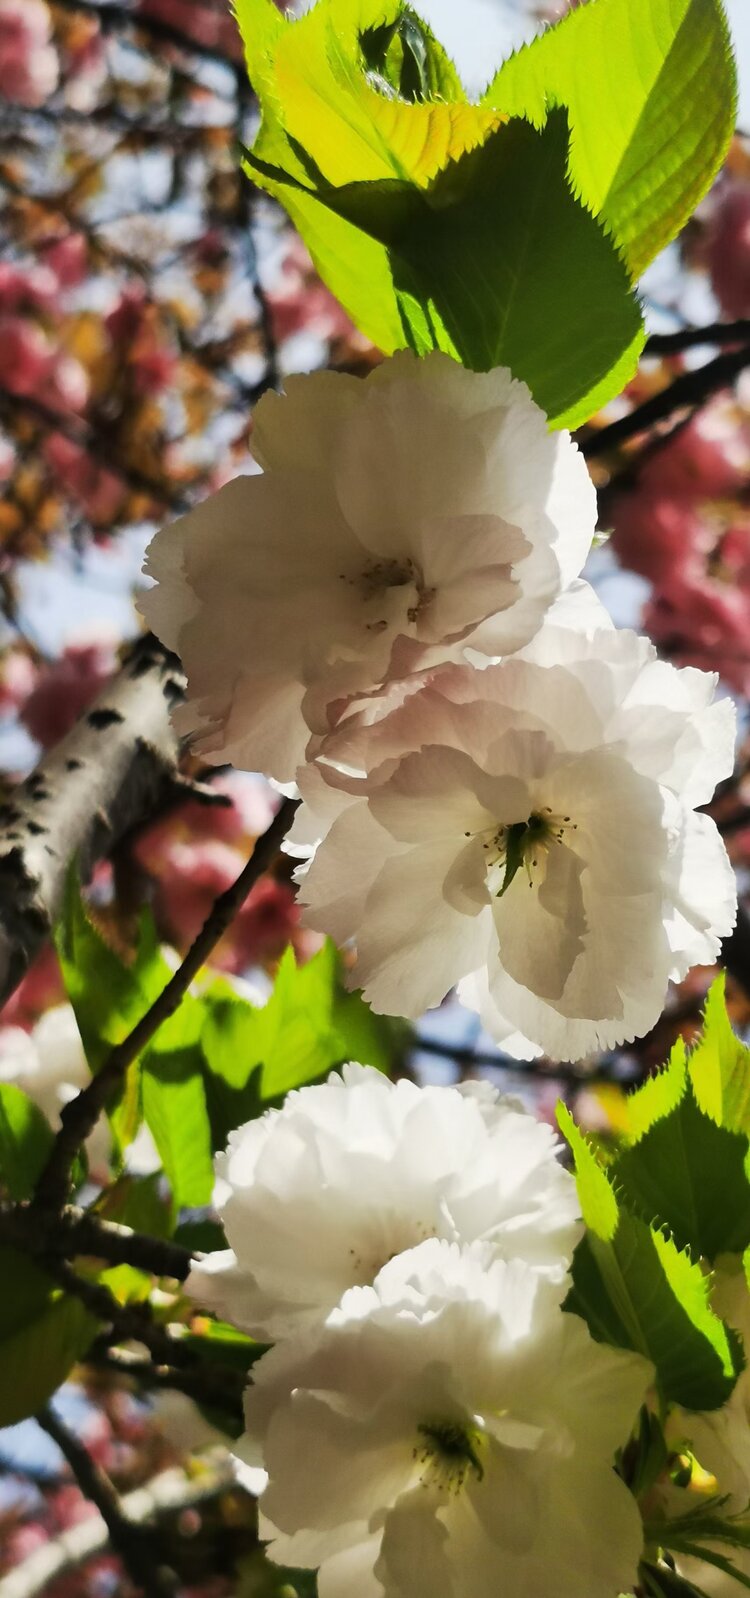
(521, 837)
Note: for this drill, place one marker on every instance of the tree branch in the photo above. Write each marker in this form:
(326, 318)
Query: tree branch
(137, 1544)
(80, 1116)
(108, 773)
(688, 391)
(79, 1232)
(686, 338)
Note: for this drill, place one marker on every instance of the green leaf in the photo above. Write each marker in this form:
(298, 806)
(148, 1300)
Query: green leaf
(42, 1334)
(719, 1066)
(26, 1138)
(137, 1202)
(659, 1581)
(650, 90)
(475, 242)
(108, 995)
(175, 1108)
(684, 1170)
(254, 1056)
(711, 1557)
(636, 1290)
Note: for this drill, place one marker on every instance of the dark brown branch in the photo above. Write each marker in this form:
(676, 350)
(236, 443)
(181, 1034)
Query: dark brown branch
(110, 771)
(80, 1116)
(137, 1545)
(687, 392)
(128, 1322)
(735, 951)
(686, 338)
(212, 1385)
(78, 1232)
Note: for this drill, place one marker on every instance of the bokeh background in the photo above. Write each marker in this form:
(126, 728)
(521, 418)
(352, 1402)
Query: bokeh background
(148, 296)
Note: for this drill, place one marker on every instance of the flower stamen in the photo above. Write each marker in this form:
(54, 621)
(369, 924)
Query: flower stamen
(447, 1453)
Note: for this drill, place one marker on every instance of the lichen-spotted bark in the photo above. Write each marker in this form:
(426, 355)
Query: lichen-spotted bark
(104, 777)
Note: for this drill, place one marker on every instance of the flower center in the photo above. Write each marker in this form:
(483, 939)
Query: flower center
(446, 1452)
(523, 843)
(379, 577)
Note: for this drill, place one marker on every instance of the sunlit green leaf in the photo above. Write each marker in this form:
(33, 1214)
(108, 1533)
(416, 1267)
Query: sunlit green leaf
(637, 1290)
(25, 1141)
(43, 1332)
(649, 86)
(719, 1066)
(682, 1169)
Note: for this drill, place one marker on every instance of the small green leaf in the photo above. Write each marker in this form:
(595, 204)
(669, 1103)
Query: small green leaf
(255, 1055)
(42, 1334)
(26, 1138)
(108, 995)
(719, 1066)
(636, 1290)
(175, 1108)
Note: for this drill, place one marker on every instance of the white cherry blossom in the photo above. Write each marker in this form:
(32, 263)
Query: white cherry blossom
(528, 831)
(49, 1065)
(396, 519)
(315, 1197)
(450, 1430)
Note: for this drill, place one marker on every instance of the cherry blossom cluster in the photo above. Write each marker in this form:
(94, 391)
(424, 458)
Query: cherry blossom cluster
(408, 1251)
(685, 528)
(500, 788)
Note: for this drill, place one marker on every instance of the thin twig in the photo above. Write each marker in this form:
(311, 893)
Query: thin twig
(79, 1117)
(129, 1322)
(137, 1545)
(209, 1384)
(686, 338)
(688, 391)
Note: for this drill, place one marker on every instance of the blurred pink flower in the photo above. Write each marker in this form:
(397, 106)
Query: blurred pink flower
(700, 621)
(34, 368)
(709, 458)
(203, 21)
(27, 287)
(658, 535)
(29, 67)
(65, 687)
(41, 987)
(298, 300)
(99, 491)
(67, 258)
(728, 249)
(26, 355)
(17, 677)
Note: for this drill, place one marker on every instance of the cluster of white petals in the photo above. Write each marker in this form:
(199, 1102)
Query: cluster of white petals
(430, 1417)
(50, 1067)
(500, 789)
(450, 1430)
(396, 520)
(529, 832)
(317, 1196)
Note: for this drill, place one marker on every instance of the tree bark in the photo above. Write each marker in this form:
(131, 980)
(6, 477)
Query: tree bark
(109, 772)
